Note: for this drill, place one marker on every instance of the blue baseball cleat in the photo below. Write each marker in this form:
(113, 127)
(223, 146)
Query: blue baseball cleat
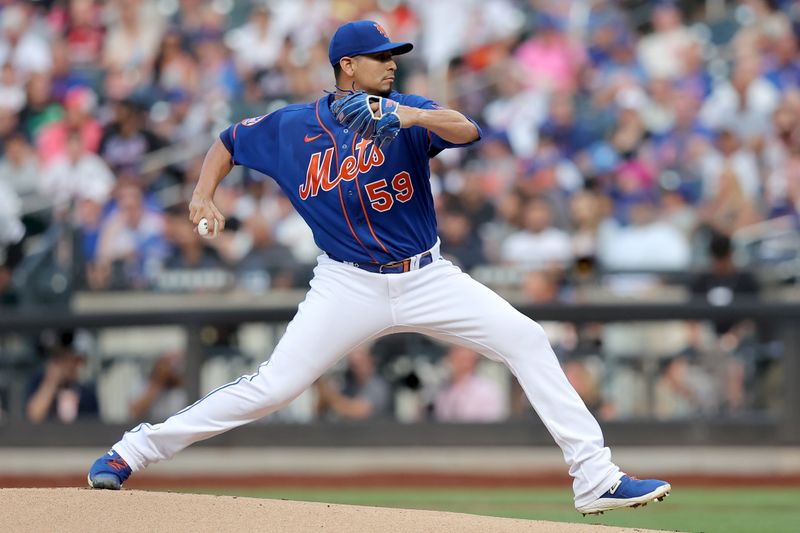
(628, 492)
(109, 472)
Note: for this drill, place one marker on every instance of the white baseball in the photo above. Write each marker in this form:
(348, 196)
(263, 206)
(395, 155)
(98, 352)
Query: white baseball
(202, 227)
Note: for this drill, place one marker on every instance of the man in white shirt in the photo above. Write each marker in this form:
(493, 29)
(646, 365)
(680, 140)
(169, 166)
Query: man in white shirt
(647, 243)
(24, 49)
(538, 244)
(78, 174)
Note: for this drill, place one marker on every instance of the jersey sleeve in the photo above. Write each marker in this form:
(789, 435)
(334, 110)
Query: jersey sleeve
(254, 143)
(434, 144)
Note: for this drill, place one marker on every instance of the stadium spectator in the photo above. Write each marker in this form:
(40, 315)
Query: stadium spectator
(462, 244)
(745, 102)
(19, 169)
(552, 178)
(65, 77)
(780, 156)
(131, 243)
(682, 390)
(76, 174)
(292, 231)
(507, 221)
(467, 396)
(582, 374)
(174, 69)
(784, 69)
(132, 40)
(515, 112)
(79, 104)
(586, 213)
(730, 209)
(126, 141)
(733, 352)
(163, 393)
(12, 233)
(87, 219)
(20, 44)
(471, 198)
(362, 395)
(630, 138)
(677, 212)
(538, 244)
(258, 44)
(686, 141)
(730, 154)
(9, 124)
(12, 93)
(647, 243)
(40, 108)
(696, 83)
(219, 81)
(498, 169)
(619, 70)
(551, 59)
(566, 131)
(267, 264)
(722, 283)
(657, 113)
(661, 52)
(83, 34)
(57, 392)
(182, 119)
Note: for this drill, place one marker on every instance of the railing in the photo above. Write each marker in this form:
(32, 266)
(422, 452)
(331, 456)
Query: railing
(763, 428)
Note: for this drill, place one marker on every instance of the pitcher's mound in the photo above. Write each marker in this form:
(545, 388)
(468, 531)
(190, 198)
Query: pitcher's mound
(73, 509)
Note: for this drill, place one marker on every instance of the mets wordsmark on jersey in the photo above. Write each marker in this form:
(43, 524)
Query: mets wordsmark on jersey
(318, 175)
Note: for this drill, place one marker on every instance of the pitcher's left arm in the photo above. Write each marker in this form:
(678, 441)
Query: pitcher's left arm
(448, 124)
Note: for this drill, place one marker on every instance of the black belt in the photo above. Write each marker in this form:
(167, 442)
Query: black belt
(395, 267)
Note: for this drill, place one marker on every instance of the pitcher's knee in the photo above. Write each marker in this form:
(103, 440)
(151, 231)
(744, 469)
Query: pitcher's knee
(529, 332)
(520, 339)
(275, 392)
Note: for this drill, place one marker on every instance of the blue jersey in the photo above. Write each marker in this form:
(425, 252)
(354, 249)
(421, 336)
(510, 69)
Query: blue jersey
(363, 204)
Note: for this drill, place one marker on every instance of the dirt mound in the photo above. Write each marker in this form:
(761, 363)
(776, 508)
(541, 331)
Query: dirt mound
(73, 509)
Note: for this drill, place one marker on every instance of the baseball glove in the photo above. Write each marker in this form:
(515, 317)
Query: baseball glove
(388, 124)
(355, 112)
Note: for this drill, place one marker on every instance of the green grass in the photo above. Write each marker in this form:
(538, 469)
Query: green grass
(711, 510)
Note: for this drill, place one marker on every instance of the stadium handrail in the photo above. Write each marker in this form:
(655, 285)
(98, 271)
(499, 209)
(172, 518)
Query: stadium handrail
(34, 318)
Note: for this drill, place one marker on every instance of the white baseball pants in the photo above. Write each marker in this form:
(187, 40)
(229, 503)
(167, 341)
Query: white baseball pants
(346, 307)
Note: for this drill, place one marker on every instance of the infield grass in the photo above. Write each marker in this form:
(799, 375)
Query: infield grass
(709, 510)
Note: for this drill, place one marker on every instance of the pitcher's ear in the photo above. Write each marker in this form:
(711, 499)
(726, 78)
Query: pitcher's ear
(348, 66)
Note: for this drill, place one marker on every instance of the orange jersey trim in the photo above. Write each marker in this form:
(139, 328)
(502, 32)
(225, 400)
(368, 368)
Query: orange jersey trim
(361, 199)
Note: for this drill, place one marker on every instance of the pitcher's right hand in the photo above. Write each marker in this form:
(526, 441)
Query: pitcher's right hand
(203, 207)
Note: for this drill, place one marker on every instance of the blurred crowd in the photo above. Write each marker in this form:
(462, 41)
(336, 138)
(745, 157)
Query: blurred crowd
(621, 138)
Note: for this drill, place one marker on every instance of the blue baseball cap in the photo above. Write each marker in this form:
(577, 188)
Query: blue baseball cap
(362, 37)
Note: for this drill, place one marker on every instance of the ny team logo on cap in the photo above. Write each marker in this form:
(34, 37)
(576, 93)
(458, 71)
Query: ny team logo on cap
(381, 30)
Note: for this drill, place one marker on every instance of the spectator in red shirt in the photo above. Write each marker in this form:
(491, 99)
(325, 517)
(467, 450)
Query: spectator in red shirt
(79, 104)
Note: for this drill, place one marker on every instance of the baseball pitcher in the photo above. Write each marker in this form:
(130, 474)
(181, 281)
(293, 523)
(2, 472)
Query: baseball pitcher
(355, 165)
